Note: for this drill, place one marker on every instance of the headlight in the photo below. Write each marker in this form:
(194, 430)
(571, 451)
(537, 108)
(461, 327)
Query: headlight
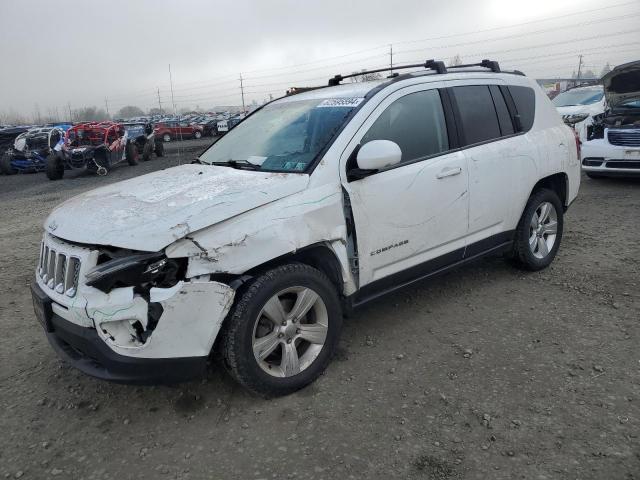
(132, 270)
(575, 118)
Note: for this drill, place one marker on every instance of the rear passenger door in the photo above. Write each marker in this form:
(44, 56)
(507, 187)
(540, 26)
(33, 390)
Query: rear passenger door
(497, 168)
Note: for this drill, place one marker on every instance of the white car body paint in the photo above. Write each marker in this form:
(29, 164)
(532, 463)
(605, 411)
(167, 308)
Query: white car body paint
(152, 211)
(192, 316)
(228, 221)
(626, 153)
(590, 110)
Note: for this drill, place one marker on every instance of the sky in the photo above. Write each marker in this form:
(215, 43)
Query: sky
(116, 53)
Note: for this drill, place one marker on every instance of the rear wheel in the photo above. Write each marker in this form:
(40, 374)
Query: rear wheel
(147, 151)
(282, 330)
(54, 167)
(539, 231)
(166, 137)
(159, 149)
(197, 134)
(131, 153)
(6, 167)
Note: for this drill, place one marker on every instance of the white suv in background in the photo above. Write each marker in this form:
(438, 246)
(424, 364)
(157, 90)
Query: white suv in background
(315, 204)
(612, 146)
(577, 106)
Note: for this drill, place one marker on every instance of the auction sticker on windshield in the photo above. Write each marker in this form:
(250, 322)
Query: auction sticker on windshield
(349, 102)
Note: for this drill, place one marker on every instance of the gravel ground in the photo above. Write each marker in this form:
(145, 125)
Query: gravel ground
(486, 373)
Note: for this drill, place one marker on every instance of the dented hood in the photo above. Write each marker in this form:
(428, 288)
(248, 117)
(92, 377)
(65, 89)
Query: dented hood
(622, 84)
(152, 211)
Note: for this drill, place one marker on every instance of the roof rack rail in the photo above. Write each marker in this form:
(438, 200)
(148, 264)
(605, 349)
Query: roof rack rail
(437, 65)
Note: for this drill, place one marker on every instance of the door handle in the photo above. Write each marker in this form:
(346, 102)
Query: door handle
(449, 172)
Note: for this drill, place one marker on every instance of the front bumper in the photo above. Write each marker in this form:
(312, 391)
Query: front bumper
(602, 158)
(93, 354)
(123, 335)
(83, 349)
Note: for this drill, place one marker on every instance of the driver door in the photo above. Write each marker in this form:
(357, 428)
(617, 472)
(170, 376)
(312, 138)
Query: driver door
(410, 218)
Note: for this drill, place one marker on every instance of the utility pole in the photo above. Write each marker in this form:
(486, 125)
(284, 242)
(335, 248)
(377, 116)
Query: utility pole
(106, 105)
(70, 114)
(242, 93)
(175, 111)
(391, 57)
(579, 67)
(159, 102)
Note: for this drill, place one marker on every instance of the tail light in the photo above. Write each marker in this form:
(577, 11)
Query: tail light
(578, 143)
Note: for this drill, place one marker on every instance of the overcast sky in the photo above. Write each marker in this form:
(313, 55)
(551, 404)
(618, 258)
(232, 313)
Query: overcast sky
(81, 52)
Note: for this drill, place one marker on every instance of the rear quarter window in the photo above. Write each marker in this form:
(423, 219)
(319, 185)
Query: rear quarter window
(477, 114)
(525, 102)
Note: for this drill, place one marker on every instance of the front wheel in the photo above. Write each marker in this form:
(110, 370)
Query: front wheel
(197, 134)
(595, 176)
(282, 330)
(54, 167)
(166, 137)
(539, 231)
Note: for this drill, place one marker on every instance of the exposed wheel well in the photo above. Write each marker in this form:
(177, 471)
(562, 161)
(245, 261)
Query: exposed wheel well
(556, 182)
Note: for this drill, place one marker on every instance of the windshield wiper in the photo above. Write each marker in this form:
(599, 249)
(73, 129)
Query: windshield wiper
(238, 164)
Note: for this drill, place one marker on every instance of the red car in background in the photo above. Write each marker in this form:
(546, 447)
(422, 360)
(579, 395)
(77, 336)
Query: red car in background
(168, 131)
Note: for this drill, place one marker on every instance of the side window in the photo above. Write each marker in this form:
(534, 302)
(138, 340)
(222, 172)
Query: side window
(525, 100)
(504, 117)
(477, 114)
(416, 123)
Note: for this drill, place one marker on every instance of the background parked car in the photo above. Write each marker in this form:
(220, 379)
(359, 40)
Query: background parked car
(7, 137)
(577, 106)
(177, 131)
(612, 145)
(145, 140)
(94, 146)
(31, 149)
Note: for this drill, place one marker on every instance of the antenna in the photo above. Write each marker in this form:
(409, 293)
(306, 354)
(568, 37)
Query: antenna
(159, 102)
(175, 111)
(242, 93)
(391, 59)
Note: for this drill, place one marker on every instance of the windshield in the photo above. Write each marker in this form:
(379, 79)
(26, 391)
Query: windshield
(284, 136)
(578, 97)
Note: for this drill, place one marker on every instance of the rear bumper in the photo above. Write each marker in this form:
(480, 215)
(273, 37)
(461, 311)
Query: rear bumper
(83, 349)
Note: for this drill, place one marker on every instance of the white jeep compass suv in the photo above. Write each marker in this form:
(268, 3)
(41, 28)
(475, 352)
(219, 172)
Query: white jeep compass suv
(314, 204)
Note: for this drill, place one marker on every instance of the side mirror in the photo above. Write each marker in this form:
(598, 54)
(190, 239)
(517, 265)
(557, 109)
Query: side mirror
(378, 154)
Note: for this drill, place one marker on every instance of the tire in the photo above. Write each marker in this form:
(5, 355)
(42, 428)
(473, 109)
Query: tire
(6, 167)
(166, 138)
(197, 134)
(54, 167)
(536, 244)
(131, 153)
(246, 325)
(159, 149)
(147, 151)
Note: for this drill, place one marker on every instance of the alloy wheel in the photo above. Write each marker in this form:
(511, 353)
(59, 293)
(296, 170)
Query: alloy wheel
(543, 230)
(290, 331)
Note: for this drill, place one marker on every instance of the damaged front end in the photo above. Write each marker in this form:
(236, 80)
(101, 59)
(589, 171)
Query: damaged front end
(127, 315)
